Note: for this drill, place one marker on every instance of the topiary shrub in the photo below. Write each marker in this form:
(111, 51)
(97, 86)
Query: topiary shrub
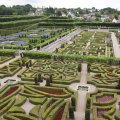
(71, 113)
(87, 114)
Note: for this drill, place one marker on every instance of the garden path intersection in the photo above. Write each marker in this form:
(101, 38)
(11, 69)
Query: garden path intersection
(80, 111)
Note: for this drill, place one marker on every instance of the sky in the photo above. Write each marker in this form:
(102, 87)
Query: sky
(65, 3)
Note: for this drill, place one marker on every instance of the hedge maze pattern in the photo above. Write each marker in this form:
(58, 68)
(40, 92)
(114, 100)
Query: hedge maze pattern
(105, 99)
(61, 72)
(54, 101)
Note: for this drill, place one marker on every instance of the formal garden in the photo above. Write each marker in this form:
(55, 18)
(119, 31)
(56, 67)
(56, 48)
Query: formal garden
(30, 39)
(80, 80)
(30, 98)
(89, 43)
(43, 89)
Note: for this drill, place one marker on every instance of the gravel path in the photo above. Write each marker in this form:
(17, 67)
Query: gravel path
(116, 47)
(7, 62)
(27, 106)
(81, 101)
(52, 46)
(14, 77)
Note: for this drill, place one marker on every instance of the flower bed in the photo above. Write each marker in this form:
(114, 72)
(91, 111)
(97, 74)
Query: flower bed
(100, 112)
(46, 75)
(51, 91)
(57, 62)
(10, 91)
(36, 68)
(50, 103)
(105, 98)
(59, 114)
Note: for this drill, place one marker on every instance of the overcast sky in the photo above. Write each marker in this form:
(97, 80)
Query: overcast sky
(65, 3)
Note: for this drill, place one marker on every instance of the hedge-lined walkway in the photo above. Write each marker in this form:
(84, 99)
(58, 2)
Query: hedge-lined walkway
(88, 44)
(14, 77)
(7, 62)
(116, 47)
(81, 102)
(52, 46)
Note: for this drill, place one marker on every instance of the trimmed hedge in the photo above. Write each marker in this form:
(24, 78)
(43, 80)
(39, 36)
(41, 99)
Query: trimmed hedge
(16, 109)
(45, 113)
(111, 102)
(23, 116)
(37, 101)
(108, 114)
(65, 115)
(54, 111)
(35, 111)
(47, 94)
(10, 117)
(98, 24)
(6, 59)
(14, 18)
(9, 96)
(117, 116)
(91, 59)
(21, 100)
(7, 52)
(13, 24)
(7, 105)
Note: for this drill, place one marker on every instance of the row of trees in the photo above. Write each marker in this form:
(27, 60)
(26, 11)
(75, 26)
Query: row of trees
(24, 9)
(16, 10)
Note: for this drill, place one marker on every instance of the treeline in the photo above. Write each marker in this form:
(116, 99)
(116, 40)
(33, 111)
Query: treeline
(16, 10)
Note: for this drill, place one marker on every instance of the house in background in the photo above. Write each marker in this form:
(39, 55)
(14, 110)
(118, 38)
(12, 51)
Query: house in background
(116, 21)
(38, 12)
(105, 17)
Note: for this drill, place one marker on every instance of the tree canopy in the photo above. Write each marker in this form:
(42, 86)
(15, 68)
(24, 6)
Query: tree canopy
(16, 10)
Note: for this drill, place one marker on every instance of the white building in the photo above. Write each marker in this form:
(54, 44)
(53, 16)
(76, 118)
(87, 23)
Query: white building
(104, 17)
(38, 12)
(63, 14)
(116, 21)
(71, 14)
(31, 13)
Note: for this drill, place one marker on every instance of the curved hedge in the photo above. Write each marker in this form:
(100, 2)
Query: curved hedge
(35, 111)
(4, 107)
